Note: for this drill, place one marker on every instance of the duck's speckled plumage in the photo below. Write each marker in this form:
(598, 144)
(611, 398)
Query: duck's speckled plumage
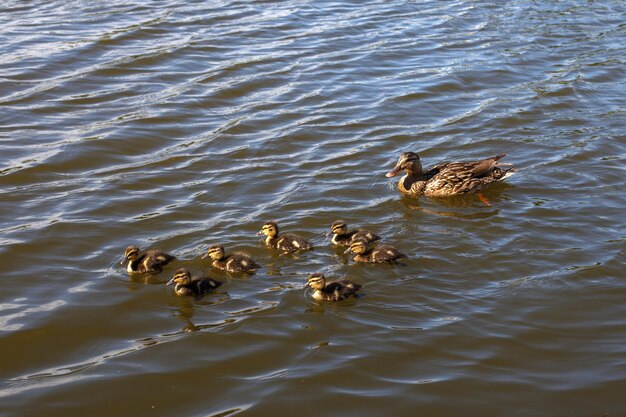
(364, 251)
(287, 242)
(234, 262)
(448, 178)
(150, 261)
(343, 237)
(186, 285)
(331, 291)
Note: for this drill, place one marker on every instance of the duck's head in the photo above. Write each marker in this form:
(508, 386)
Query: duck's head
(215, 252)
(131, 254)
(408, 161)
(182, 276)
(316, 281)
(269, 229)
(338, 228)
(357, 246)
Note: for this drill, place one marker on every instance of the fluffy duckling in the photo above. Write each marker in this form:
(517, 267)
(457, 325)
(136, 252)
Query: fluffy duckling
(235, 262)
(343, 237)
(151, 261)
(378, 254)
(188, 285)
(448, 178)
(331, 291)
(287, 242)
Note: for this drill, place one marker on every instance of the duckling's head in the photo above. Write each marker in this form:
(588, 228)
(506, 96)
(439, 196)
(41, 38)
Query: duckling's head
(215, 252)
(339, 228)
(182, 276)
(408, 161)
(316, 281)
(131, 254)
(358, 246)
(269, 229)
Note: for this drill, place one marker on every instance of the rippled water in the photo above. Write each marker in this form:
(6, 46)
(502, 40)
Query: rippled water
(180, 124)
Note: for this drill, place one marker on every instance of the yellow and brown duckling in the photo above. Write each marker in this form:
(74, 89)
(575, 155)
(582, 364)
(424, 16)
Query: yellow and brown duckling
(287, 242)
(151, 261)
(343, 237)
(331, 291)
(196, 286)
(235, 262)
(448, 178)
(364, 251)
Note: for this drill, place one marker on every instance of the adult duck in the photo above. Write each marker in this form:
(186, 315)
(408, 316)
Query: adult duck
(448, 178)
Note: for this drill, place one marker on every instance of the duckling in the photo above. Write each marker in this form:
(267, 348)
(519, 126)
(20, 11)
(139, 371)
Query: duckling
(448, 178)
(378, 254)
(287, 243)
(331, 291)
(342, 236)
(151, 261)
(236, 262)
(196, 286)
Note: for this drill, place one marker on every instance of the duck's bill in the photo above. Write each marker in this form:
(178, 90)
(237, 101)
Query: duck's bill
(206, 255)
(259, 233)
(393, 172)
(329, 233)
(170, 282)
(123, 261)
(347, 250)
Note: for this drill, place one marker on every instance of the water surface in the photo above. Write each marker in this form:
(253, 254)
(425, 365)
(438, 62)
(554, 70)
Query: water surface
(175, 125)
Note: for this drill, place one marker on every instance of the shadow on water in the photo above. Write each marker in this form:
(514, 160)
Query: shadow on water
(466, 206)
(186, 308)
(176, 124)
(159, 278)
(317, 307)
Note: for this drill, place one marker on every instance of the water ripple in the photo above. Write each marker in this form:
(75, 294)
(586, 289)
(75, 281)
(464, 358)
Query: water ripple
(177, 125)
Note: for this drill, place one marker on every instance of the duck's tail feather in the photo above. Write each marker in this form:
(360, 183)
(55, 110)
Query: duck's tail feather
(507, 174)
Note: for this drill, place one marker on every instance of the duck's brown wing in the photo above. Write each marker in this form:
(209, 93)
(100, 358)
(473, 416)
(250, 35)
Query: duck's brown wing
(436, 169)
(484, 167)
(157, 259)
(349, 284)
(463, 177)
(243, 262)
(362, 234)
(341, 290)
(386, 253)
(206, 285)
(292, 243)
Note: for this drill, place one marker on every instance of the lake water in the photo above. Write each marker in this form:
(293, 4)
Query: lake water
(175, 125)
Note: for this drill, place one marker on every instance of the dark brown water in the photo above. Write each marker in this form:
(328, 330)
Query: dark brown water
(180, 124)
